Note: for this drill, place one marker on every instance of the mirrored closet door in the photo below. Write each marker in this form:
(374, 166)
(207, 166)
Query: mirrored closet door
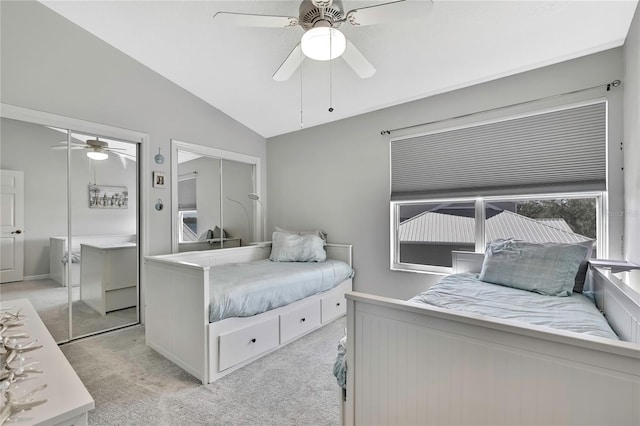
(39, 206)
(104, 221)
(214, 198)
(80, 187)
(238, 209)
(198, 202)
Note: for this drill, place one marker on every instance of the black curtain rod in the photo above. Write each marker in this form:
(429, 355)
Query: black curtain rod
(614, 83)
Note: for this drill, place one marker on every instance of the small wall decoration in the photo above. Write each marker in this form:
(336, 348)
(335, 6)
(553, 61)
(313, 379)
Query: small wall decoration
(108, 197)
(159, 158)
(159, 180)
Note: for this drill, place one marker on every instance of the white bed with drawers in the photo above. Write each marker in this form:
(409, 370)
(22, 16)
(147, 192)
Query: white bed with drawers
(178, 318)
(410, 363)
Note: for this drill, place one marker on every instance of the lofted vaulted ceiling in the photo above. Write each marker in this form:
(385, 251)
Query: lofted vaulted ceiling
(452, 44)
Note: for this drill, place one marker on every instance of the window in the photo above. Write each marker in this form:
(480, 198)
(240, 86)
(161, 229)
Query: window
(427, 232)
(540, 177)
(187, 207)
(188, 225)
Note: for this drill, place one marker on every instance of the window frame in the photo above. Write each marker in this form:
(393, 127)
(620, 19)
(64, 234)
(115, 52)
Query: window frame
(602, 224)
(181, 214)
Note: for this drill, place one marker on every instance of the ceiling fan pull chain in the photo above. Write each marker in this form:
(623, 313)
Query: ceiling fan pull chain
(330, 72)
(92, 172)
(301, 69)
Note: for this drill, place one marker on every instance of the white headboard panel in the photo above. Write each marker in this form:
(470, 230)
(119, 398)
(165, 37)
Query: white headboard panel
(466, 261)
(619, 303)
(339, 252)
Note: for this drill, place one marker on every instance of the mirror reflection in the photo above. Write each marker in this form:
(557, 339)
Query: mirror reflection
(104, 217)
(213, 205)
(89, 183)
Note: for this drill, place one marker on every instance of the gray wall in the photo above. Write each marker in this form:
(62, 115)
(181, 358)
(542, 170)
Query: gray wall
(50, 64)
(25, 147)
(336, 176)
(631, 85)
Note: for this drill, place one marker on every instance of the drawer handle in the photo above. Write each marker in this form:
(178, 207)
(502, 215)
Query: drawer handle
(253, 340)
(338, 304)
(303, 319)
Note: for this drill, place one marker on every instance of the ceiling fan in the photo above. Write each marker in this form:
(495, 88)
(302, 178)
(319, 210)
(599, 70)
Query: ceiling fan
(96, 149)
(322, 40)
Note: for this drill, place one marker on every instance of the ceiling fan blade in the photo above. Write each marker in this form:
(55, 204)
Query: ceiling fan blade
(251, 20)
(82, 144)
(124, 157)
(124, 154)
(64, 147)
(123, 160)
(357, 61)
(289, 65)
(114, 149)
(388, 12)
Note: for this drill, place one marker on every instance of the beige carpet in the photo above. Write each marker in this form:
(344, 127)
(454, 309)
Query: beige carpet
(133, 385)
(49, 299)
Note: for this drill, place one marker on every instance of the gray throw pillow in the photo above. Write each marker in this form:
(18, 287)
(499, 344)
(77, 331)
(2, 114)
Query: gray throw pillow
(297, 248)
(548, 268)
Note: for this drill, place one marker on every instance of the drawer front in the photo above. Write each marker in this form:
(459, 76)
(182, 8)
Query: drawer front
(116, 285)
(121, 268)
(333, 307)
(120, 299)
(243, 344)
(299, 321)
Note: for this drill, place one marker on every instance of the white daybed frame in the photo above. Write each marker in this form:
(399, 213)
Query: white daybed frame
(177, 312)
(409, 364)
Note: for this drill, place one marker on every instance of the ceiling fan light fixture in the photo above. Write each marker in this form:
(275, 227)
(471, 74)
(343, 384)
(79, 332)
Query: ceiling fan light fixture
(97, 155)
(323, 43)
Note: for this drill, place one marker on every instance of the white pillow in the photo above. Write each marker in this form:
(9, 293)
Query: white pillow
(319, 232)
(297, 248)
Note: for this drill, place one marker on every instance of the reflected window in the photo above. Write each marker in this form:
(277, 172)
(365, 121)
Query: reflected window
(188, 225)
(187, 208)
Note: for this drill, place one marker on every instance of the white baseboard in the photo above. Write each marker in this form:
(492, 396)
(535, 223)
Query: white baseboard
(36, 277)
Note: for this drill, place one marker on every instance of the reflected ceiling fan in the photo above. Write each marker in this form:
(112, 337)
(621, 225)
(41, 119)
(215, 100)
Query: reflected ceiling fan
(322, 40)
(96, 149)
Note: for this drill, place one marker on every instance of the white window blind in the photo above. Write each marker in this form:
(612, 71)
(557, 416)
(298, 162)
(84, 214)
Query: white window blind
(187, 193)
(557, 151)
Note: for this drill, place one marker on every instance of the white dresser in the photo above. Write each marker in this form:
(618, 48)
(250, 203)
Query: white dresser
(68, 401)
(109, 276)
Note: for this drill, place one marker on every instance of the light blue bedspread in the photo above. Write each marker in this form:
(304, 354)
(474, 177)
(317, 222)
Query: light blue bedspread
(465, 292)
(246, 289)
